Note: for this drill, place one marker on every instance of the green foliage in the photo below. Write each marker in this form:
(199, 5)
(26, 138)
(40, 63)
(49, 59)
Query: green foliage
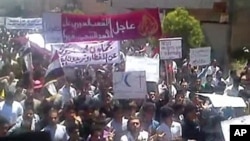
(179, 23)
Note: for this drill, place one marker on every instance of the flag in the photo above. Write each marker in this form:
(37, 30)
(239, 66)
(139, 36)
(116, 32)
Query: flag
(25, 53)
(55, 69)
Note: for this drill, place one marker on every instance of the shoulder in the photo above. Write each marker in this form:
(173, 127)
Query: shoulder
(17, 104)
(124, 138)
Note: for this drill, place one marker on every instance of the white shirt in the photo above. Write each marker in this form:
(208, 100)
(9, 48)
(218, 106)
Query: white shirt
(164, 128)
(176, 130)
(229, 81)
(143, 136)
(212, 71)
(232, 91)
(67, 94)
(58, 133)
(11, 112)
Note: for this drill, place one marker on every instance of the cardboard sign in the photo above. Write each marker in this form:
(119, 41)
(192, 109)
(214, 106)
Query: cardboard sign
(129, 85)
(170, 48)
(149, 65)
(200, 56)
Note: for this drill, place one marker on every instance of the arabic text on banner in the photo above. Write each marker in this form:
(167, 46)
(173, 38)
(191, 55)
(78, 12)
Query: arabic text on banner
(77, 28)
(75, 54)
(129, 85)
(170, 48)
(23, 23)
(200, 56)
(150, 65)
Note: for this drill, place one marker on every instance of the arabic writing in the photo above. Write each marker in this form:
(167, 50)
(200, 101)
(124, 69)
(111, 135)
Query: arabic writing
(20, 23)
(88, 53)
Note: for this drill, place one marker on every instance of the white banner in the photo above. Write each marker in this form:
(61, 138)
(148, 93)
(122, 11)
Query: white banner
(170, 48)
(2, 21)
(150, 65)
(200, 56)
(24, 23)
(75, 54)
(129, 85)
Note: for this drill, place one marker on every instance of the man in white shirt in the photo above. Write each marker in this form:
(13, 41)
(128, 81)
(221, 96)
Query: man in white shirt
(176, 131)
(234, 89)
(57, 132)
(67, 92)
(10, 109)
(212, 69)
(134, 132)
(167, 115)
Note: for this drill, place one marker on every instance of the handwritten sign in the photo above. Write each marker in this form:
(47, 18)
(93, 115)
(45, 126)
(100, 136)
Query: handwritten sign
(170, 48)
(77, 28)
(225, 125)
(200, 56)
(73, 54)
(23, 23)
(150, 65)
(2, 21)
(228, 101)
(129, 85)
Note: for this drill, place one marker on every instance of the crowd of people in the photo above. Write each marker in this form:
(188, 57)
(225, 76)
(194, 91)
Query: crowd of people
(83, 109)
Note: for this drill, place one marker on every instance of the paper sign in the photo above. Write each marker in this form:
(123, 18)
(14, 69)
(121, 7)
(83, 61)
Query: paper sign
(225, 101)
(150, 65)
(129, 85)
(24, 23)
(2, 21)
(170, 48)
(225, 125)
(200, 56)
(76, 54)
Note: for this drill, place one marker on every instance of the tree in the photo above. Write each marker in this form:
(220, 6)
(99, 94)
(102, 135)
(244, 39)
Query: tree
(179, 23)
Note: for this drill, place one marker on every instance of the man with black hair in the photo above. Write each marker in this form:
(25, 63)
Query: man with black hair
(167, 115)
(4, 126)
(190, 128)
(73, 131)
(234, 89)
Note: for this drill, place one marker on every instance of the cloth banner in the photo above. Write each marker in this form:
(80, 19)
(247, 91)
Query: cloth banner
(23, 23)
(62, 27)
(2, 21)
(75, 54)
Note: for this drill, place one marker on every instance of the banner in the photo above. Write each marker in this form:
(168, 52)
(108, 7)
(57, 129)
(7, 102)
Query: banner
(150, 65)
(23, 23)
(75, 54)
(170, 48)
(200, 56)
(76, 28)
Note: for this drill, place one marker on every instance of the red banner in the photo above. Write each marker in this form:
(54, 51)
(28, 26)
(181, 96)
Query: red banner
(131, 25)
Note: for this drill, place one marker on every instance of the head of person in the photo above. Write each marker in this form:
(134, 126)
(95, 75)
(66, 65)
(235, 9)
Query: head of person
(190, 112)
(28, 113)
(209, 78)
(30, 93)
(167, 115)
(69, 111)
(152, 96)
(118, 110)
(198, 82)
(4, 126)
(148, 111)
(184, 85)
(179, 97)
(132, 108)
(73, 130)
(134, 124)
(194, 98)
(214, 63)
(96, 133)
(53, 116)
(9, 98)
(11, 75)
